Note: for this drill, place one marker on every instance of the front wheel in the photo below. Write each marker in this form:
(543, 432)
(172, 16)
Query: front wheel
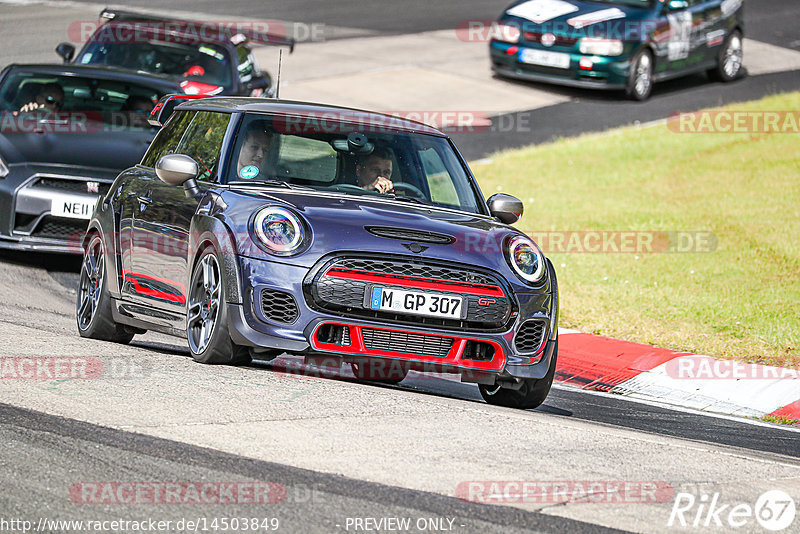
(532, 393)
(729, 63)
(640, 80)
(207, 315)
(93, 311)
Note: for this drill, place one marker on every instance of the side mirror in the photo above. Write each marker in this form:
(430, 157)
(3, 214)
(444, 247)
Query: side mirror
(66, 51)
(505, 207)
(677, 5)
(260, 81)
(179, 169)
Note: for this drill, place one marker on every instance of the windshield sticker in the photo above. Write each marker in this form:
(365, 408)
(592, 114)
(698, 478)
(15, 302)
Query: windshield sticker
(539, 11)
(87, 57)
(603, 15)
(680, 25)
(251, 171)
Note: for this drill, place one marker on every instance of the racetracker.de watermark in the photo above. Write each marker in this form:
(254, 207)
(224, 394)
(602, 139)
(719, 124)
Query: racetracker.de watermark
(157, 493)
(571, 30)
(70, 368)
(708, 368)
(565, 491)
(731, 122)
(264, 32)
(389, 121)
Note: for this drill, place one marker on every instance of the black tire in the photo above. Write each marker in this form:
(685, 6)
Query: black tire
(530, 395)
(206, 309)
(383, 371)
(640, 78)
(93, 307)
(729, 61)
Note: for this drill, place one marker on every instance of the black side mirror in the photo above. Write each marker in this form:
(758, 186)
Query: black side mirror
(259, 81)
(505, 207)
(66, 51)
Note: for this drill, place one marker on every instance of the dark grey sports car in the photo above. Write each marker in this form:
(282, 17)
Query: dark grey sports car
(66, 131)
(254, 227)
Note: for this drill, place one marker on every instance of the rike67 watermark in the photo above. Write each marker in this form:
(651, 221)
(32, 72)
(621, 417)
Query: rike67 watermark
(774, 510)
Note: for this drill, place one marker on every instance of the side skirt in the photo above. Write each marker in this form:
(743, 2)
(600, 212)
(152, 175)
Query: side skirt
(146, 318)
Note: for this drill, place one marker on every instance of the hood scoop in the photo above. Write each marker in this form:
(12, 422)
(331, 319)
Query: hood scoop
(405, 234)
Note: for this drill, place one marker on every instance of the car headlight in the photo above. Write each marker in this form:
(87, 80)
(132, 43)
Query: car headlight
(3, 168)
(526, 259)
(280, 230)
(508, 33)
(600, 47)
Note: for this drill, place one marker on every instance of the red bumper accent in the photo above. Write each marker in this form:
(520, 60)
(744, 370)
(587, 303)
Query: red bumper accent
(415, 282)
(453, 358)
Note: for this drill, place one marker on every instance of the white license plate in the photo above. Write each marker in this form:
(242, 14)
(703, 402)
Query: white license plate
(545, 58)
(415, 302)
(72, 207)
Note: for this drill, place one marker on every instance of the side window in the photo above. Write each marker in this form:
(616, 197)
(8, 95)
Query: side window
(168, 137)
(203, 141)
(439, 181)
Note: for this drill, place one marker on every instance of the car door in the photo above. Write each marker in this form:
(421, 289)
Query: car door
(164, 222)
(687, 44)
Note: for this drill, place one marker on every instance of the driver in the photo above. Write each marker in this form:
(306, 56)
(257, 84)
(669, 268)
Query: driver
(375, 170)
(253, 151)
(50, 98)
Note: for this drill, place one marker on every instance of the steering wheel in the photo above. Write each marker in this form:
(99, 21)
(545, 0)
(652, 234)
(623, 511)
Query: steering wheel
(409, 190)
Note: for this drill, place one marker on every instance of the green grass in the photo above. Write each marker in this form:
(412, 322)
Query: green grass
(740, 300)
(779, 420)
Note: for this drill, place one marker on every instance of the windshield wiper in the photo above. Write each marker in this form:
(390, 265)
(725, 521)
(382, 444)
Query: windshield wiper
(274, 183)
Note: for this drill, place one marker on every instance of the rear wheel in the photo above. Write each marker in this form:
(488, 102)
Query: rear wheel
(93, 311)
(207, 315)
(384, 371)
(640, 80)
(729, 64)
(532, 393)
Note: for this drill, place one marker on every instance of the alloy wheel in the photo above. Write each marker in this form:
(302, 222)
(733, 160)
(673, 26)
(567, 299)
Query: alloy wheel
(204, 303)
(91, 282)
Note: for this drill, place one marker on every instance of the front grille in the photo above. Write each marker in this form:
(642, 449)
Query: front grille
(405, 234)
(71, 186)
(59, 228)
(406, 343)
(561, 40)
(278, 306)
(529, 337)
(343, 296)
(417, 270)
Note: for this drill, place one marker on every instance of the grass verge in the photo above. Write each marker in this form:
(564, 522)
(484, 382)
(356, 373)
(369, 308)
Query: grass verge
(738, 299)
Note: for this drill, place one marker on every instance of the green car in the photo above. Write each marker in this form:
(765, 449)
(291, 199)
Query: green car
(618, 44)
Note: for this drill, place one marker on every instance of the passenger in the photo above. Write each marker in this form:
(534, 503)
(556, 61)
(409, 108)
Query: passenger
(375, 170)
(50, 98)
(253, 151)
(138, 109)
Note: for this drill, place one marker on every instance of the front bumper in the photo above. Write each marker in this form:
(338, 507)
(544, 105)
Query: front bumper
(599, 72)
(47, 212)
(309, 330)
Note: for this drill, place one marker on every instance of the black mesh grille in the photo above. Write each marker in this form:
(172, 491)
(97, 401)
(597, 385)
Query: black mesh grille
(346, 297)
(278, 306)
(59, 228)
(406, 343)
(405, 234)
(72, 186)
(561, 40)
(418, 270)
(530, 336)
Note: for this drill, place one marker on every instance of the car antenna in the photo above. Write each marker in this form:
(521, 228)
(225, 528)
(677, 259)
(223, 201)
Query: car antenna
(278, 82)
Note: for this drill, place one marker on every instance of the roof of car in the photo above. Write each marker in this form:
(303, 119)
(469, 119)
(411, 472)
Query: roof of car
(100, 71)
(310, 110)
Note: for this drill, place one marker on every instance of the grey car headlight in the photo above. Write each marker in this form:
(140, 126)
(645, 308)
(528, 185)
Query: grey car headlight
(278, 229)
(526, 259)
(601, 47)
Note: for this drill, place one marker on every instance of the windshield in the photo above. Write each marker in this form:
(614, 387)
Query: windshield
(114, 104)
(355, 159)
(200, 63)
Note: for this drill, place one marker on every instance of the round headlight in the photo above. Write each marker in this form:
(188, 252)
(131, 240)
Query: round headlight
(279, 229)
(526, 259)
